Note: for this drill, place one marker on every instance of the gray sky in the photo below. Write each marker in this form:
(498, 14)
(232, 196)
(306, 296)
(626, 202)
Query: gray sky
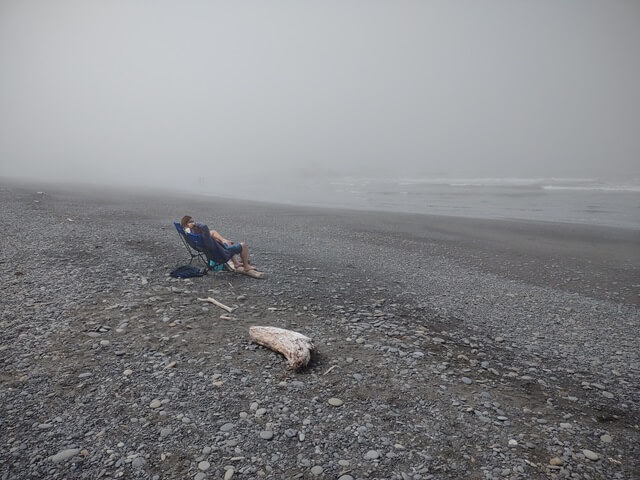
(157, 91)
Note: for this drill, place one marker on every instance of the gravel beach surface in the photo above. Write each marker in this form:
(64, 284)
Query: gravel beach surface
(447, 348)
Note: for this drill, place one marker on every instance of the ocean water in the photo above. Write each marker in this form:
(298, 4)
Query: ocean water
(566, 200)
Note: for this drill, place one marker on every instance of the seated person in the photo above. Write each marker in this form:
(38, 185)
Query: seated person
(235, 249)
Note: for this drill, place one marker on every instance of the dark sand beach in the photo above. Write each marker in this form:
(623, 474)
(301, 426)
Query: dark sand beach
(458, 348)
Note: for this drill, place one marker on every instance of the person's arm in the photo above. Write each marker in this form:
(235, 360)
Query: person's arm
(219, 238)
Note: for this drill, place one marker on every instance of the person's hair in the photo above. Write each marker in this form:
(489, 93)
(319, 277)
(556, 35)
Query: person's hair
(186, 219)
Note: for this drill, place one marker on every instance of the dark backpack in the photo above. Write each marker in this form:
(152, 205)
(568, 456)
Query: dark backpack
(188, 271)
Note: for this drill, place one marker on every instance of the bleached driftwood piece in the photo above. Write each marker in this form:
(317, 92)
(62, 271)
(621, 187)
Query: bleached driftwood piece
(296, 347)
(251, 273)
(217, 303)
(329, 370)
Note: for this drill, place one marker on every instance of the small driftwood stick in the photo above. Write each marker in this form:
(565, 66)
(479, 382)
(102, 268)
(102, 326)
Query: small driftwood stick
(296, 347)
(329, 370)
(217, 303)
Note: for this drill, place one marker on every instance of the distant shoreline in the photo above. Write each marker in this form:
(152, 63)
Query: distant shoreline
(107, 190)
(573, 201)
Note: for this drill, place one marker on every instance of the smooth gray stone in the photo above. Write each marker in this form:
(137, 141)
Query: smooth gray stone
(372, 455)
(266, 435)
(591, 455)
(227, 427)
(138, 462)
(64, 455)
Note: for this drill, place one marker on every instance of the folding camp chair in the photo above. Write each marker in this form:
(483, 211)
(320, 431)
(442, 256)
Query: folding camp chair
(206, 250)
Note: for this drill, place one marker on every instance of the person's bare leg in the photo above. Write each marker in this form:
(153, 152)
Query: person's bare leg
(244, 255)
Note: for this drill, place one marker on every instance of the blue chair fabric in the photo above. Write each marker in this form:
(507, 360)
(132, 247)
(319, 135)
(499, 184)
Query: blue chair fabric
(203, 247)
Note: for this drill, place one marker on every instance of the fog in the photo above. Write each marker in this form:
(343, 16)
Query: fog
(165, 93)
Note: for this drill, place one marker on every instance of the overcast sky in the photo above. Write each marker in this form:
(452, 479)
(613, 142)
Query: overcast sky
(160, 91)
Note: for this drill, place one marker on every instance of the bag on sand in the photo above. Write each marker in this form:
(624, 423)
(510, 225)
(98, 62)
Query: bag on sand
(188, 271)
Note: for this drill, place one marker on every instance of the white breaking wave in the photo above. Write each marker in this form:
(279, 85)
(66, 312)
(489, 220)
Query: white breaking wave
(602, 188)
(494, 181)
(582, 184)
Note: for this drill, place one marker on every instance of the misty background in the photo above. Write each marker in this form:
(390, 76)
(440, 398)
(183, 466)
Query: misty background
(169, 93)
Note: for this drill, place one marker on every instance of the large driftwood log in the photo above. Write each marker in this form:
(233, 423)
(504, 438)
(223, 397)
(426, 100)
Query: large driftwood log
(296, 347)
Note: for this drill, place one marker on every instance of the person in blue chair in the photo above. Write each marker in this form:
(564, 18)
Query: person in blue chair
(234, 249)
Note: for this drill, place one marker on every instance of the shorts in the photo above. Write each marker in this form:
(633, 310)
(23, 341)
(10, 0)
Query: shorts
(234, 249)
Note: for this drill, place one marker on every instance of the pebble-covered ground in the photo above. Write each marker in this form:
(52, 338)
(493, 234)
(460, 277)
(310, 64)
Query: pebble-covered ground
(440, 355)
